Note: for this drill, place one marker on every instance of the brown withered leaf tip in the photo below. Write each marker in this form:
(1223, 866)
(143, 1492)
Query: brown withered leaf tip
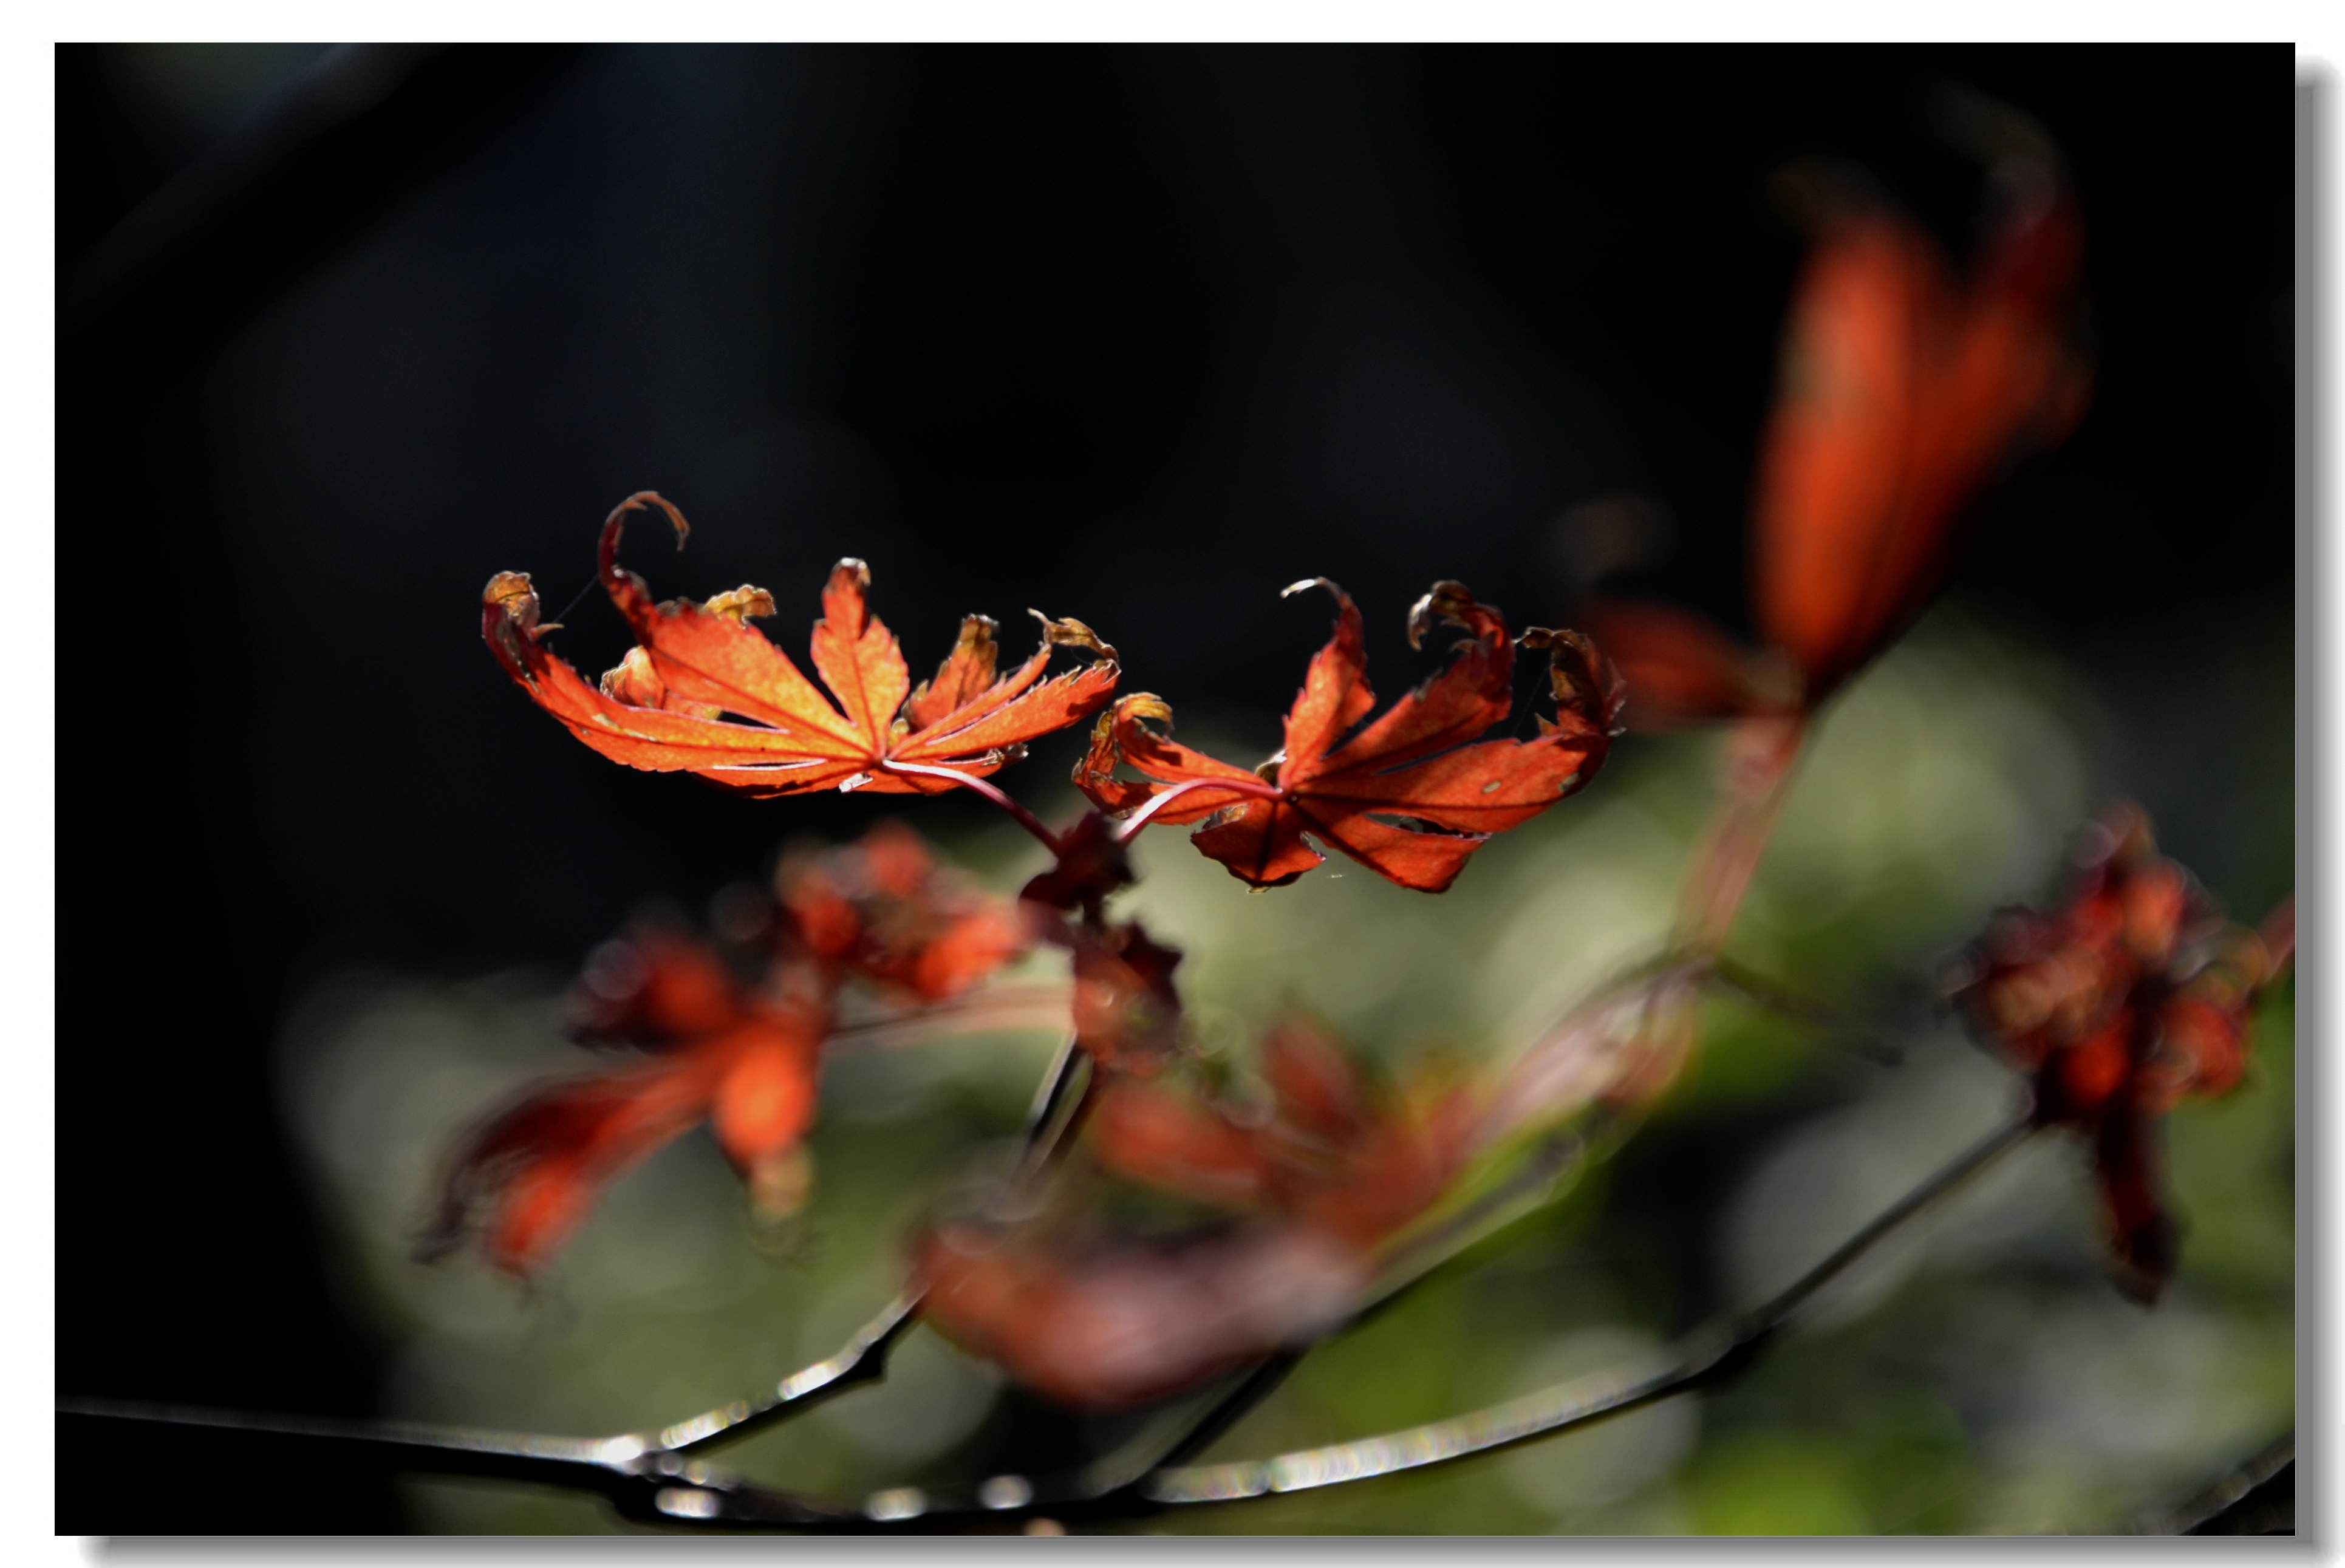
(663, 708)
(1410, 795)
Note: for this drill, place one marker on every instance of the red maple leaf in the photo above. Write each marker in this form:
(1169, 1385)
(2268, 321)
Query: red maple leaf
(527, 1176)
(1332, 1155)
(743, 1054)
(660, 709)
(2131, 997)
(1127, 1015)
(1412, 794)
(1331, 1173)
(1902, 394)
(883, 909)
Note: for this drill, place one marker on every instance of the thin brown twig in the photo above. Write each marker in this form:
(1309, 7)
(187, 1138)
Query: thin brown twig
(992, 792)
(864, 1356)
(1697, 1355)
(1761, 754)
(667, 1486)
(2193, 1517)
(1772, 996)
(1539, 1178)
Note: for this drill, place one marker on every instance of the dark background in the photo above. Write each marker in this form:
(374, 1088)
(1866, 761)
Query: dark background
(1133, 335)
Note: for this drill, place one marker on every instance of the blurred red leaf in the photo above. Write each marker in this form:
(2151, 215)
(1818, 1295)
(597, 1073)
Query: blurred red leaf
(1622, 1048)
(527, 1176)
(1092, 863)
(1136, 1320)
(1412, 794)
(659, 708)
(742, 1055)
(883, 909)
(1331, 1173)
(1127, 1013)
(1330, 1155)
(1680, 669)
(1902, 394)
(2131, 997)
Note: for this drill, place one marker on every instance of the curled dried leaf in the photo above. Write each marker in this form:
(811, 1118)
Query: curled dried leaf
(742, 603)
(1589, 690)
(1411, 795)
(1072, 633)
(634, 681)
(511, 591)
(786, 737)
(1446, 601)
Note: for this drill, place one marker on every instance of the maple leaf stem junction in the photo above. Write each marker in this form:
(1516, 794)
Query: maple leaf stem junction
(991, 792)
(1131, 827)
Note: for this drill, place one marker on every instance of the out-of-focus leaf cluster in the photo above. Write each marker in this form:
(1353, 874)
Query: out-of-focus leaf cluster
(1977, 1375)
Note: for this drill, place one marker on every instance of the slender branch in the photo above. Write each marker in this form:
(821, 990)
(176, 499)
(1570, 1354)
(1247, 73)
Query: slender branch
(1772, 996)
(664, 1485)
(1416, 1259)
(1257, 789)
(664, 1488)
(2204, 1514)
(1549, 1171)
(864, 1357)
(1700, 1354)
(645, 1476)
(1258, 1384)
(1051, 1091)
(1760, 755)
(1018, 814)
(1059, 1108)
(1771, 1316)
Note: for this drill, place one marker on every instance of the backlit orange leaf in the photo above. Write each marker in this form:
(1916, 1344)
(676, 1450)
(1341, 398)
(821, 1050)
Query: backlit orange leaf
(662, 707)
(1410, 795)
